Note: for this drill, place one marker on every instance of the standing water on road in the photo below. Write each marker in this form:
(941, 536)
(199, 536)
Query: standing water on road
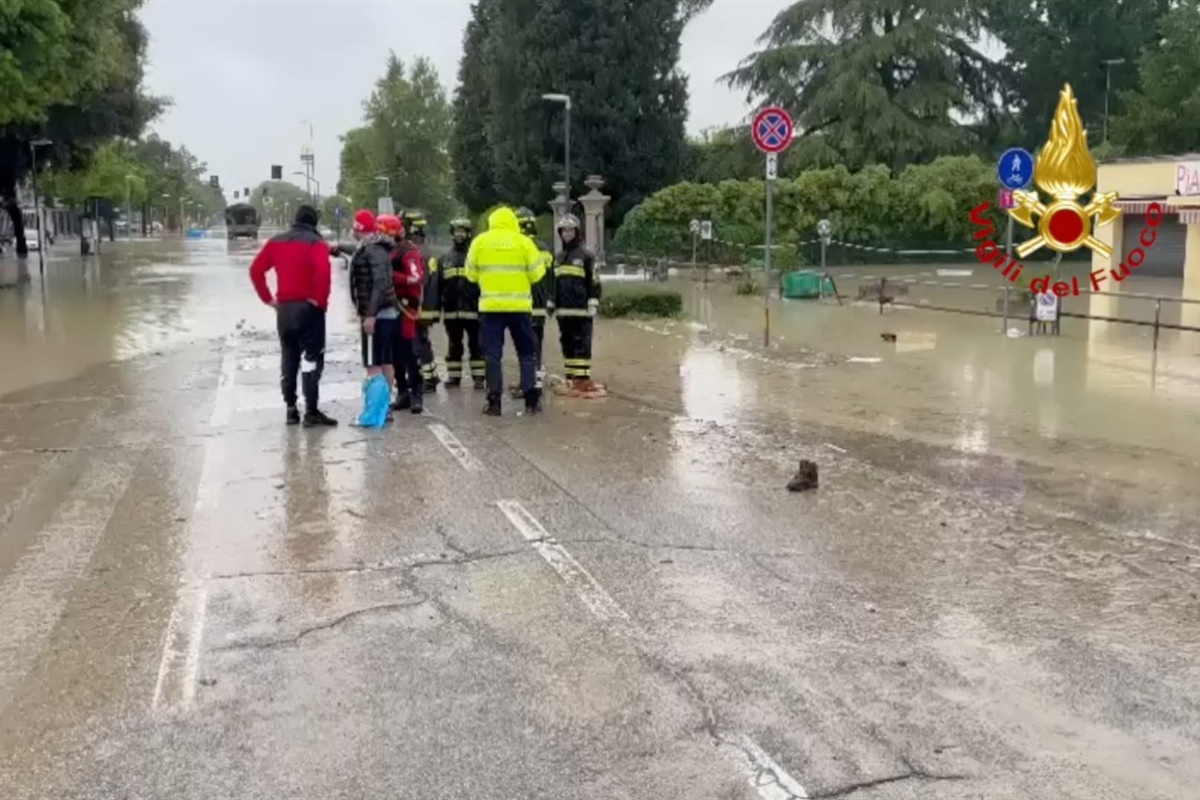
(202, 602)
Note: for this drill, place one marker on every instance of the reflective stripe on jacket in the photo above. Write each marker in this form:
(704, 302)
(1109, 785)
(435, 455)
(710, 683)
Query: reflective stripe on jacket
(505, 264)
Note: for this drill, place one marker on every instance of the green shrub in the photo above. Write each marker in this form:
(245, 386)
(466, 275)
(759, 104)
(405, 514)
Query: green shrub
(747, 285)
(640, 301)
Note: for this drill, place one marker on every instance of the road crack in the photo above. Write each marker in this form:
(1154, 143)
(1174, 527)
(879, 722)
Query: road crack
(270, 644)
(912, 774)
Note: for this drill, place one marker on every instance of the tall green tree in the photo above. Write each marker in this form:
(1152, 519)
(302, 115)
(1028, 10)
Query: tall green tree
(470, 151)
(72, 72)
(1051, 42)
(361, 162)
(878, 81)
(618, 62)
(1160, 117)
(411, 119)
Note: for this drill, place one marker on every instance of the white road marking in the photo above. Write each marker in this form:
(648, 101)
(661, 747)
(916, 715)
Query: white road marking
(168, 653)
(180, 639)
(769, 779)
(835, 447)
(456, 448)
(598, 601)
(223, 404)
(33, 597)
(191, 667)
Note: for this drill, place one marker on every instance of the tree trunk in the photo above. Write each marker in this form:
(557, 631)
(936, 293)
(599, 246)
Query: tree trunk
(18, 222)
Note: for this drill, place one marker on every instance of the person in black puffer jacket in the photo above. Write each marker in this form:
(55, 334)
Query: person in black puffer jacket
(373, 295)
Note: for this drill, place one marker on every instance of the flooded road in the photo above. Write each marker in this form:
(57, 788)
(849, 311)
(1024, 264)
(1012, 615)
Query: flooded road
(993, 593)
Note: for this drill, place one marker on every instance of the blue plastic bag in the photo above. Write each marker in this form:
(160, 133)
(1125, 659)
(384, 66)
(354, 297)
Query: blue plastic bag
(377, 397)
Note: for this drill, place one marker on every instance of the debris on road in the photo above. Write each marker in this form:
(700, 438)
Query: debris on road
(805, 477)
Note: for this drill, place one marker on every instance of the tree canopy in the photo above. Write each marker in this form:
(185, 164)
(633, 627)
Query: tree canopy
(1160, 116)
(620, 69)
(404, 138)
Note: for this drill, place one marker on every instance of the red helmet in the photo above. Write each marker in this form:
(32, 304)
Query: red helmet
(364, 221)
(389, 225)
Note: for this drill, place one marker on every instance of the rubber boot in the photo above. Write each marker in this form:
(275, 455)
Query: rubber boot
(492, 409)
(403, 401)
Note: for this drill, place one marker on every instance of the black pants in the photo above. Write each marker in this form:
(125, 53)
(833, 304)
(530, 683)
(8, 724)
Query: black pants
(575, 336)
(491, 332)
(425, 351)
(301, 328)
(456, 330)
(539, 334)
(406, 363)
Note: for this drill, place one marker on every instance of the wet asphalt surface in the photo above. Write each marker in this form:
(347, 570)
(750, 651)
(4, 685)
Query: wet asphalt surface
(992, 595)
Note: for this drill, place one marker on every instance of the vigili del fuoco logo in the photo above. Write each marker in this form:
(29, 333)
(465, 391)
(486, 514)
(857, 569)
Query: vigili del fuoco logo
(1066, 172)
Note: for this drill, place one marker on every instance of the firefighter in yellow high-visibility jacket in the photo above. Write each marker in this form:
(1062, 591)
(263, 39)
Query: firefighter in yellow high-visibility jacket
(506, 265)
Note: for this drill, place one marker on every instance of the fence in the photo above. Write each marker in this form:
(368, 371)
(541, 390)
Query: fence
(883, 290)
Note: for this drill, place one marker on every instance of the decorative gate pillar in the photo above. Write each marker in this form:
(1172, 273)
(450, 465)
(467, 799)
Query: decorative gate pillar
(593, 214)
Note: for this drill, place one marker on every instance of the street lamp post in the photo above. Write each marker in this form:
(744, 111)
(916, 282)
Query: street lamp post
(316, 198)
(566, 101)
(37, 203)
(1109, 63)
(128, 209)
(387, 184)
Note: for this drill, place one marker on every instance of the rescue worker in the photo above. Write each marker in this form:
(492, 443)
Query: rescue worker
(542, 290)
(460, 307)
(506, 264)
(373, 295)
(300, 259)
(575, 304)
(414, 225)
(408, 280)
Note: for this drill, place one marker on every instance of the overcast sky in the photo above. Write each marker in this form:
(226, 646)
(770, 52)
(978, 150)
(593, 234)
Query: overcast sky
(244, 74)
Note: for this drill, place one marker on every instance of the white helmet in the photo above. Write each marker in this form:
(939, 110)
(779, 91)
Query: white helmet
(568, 221)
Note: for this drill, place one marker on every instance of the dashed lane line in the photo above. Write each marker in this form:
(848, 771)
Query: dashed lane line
(461, 454)
(598, 601)
(769, 780)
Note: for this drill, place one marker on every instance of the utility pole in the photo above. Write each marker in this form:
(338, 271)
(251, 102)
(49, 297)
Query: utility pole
(1109, 63)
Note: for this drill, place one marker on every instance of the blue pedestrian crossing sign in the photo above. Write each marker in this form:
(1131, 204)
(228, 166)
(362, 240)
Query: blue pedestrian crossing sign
(1015, 168)
(339, 212)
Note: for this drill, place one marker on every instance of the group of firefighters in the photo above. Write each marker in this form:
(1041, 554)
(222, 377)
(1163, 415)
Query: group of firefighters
(502, 279)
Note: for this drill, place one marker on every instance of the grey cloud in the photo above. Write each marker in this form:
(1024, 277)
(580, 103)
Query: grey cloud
(244, 74)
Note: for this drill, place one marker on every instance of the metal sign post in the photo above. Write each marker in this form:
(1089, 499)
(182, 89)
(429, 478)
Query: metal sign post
(772, 131)
(1015, 170)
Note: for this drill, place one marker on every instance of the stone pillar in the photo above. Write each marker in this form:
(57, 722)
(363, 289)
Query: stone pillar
(1189, 313)
(558, 207)
(1105, 305)
(593, 216)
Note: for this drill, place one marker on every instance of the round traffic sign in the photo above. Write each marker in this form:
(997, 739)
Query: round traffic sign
(772, 129)
(1015, 168)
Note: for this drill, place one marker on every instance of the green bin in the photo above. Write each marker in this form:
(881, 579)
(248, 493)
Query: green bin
(803, 284)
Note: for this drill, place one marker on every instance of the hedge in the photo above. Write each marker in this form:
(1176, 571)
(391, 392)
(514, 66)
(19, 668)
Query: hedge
(919, 207)
(641, 301)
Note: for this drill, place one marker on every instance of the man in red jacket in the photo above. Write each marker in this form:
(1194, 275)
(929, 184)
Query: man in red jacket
(300, 259)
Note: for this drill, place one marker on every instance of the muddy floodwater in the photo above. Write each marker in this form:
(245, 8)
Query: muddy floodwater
(992, 593)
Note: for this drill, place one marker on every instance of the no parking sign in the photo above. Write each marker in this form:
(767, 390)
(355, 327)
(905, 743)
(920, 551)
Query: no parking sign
(1047, 307)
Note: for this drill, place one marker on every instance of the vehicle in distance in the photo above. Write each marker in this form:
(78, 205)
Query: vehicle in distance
(241, 219)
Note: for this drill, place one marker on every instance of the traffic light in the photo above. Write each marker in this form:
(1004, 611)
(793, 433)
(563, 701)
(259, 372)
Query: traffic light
(246, 192)
(276, 172)
(235, 195)
(214, 181)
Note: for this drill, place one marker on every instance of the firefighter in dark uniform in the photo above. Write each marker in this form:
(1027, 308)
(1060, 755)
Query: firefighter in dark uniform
(543, 290)
(431, 310)
(575, 303)
(460, 308)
